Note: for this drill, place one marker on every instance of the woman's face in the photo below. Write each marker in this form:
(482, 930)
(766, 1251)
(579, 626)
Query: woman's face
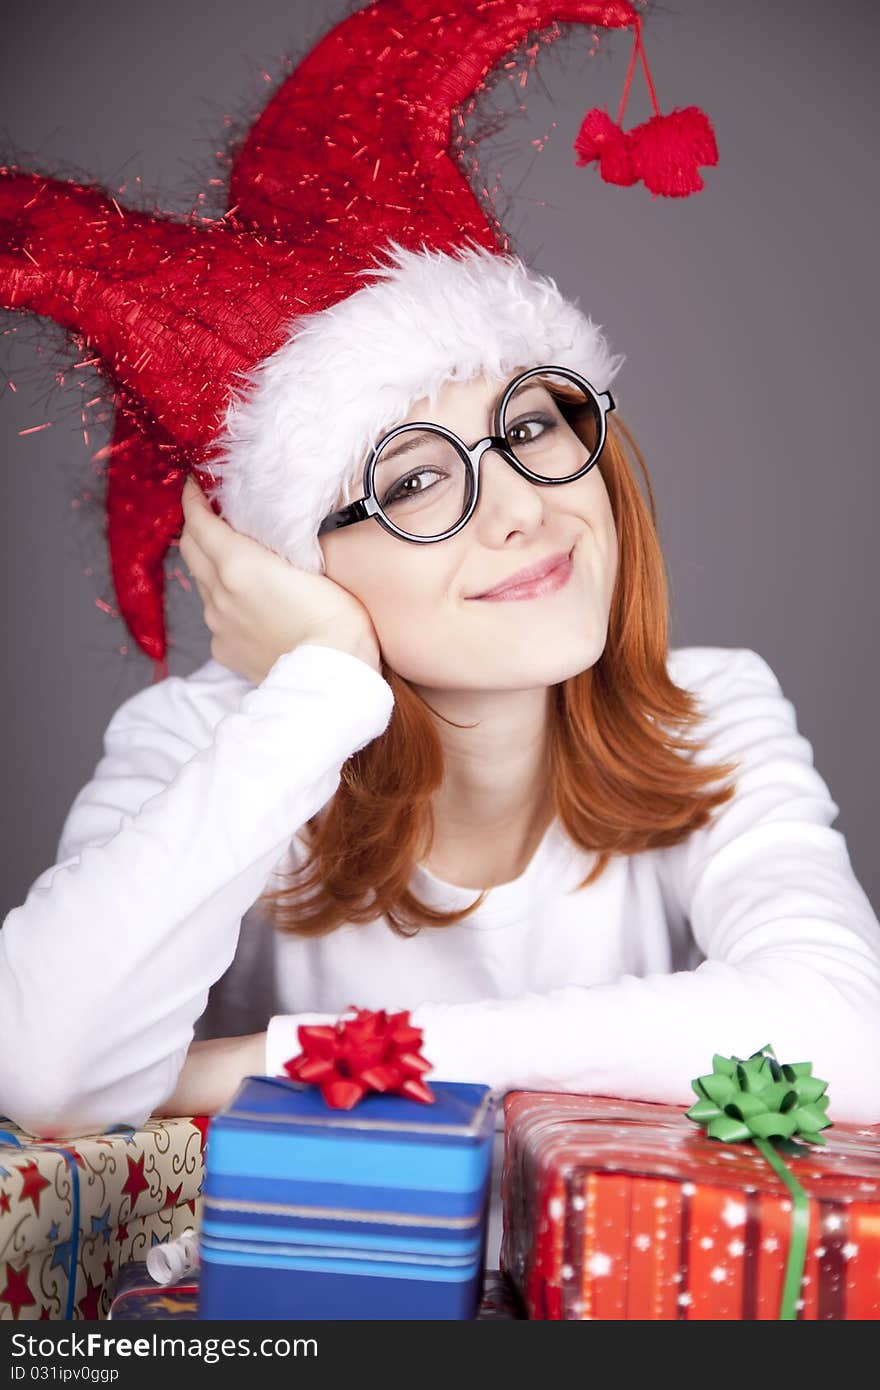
(431, 628)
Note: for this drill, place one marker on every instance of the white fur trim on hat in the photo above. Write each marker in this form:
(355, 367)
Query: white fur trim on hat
(296, 437)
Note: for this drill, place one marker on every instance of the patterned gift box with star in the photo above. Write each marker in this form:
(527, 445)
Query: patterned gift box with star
(623, 1209)
(90, 1205)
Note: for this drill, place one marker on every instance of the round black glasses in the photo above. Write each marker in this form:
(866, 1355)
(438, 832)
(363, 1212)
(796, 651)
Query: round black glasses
(422, 483)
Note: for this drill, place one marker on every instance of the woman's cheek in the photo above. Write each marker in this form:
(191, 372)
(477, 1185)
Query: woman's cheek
(420, 647)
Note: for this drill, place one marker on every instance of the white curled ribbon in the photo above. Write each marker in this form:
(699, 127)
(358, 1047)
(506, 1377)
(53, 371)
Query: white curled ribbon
(175, 1259)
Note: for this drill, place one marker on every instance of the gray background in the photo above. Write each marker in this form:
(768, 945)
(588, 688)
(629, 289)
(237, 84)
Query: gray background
(748, 314)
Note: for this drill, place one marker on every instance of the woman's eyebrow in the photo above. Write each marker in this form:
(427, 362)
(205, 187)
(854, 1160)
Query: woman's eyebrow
(403, 447)
(408, 444)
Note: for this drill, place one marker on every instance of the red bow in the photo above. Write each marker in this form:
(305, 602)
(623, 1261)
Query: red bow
(374, 1051)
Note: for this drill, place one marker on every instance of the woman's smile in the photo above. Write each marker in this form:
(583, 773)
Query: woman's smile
(538, 588)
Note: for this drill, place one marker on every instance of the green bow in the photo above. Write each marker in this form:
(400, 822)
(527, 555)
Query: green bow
(759, 1099)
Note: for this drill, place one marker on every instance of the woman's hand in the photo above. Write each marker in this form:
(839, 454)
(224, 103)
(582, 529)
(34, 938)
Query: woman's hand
(212, 1073)
(257, 604)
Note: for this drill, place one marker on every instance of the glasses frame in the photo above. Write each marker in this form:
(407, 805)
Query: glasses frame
(368, 507)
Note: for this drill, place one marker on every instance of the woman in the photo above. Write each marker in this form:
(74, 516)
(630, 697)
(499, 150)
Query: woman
(577, 973)
(582, 861)
(662, 880)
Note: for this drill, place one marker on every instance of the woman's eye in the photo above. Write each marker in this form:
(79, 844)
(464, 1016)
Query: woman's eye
(401, 488)
(524, 432)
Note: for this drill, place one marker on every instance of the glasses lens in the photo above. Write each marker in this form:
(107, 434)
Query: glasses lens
(422, 483)
(552, 425)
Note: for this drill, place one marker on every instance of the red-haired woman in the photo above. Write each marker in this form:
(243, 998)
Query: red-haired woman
(452, 767)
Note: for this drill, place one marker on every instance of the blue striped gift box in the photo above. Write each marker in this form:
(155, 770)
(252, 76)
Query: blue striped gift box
(380, 1211)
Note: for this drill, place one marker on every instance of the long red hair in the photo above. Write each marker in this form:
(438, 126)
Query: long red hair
(622, 775)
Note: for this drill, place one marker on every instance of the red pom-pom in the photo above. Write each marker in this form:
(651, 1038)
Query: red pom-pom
(667, 150)
(600, 138)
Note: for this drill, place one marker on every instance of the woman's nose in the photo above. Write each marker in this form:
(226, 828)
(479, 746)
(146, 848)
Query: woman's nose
(502, 487)
(494, 463)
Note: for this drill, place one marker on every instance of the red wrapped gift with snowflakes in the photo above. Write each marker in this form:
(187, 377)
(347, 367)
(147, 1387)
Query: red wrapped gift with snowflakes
(624, 1209)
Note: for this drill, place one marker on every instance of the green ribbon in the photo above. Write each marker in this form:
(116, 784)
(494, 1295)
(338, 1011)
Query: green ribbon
(758, 1099)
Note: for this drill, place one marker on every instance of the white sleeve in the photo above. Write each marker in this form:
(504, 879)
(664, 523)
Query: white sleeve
(106, 966)
(791, 945)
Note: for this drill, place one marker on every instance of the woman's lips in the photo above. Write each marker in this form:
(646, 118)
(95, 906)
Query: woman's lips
(538, 588)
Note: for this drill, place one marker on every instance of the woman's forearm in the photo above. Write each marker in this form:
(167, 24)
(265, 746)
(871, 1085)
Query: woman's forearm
(212, 1073)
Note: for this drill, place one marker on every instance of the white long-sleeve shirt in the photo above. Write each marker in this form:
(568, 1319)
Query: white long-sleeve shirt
(753, 930)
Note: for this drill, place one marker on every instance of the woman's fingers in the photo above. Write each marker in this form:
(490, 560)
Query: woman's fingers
(201, 529)
(190, 550)
(230, 554)
(205, 589)
(202, 548)
(196, 508)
